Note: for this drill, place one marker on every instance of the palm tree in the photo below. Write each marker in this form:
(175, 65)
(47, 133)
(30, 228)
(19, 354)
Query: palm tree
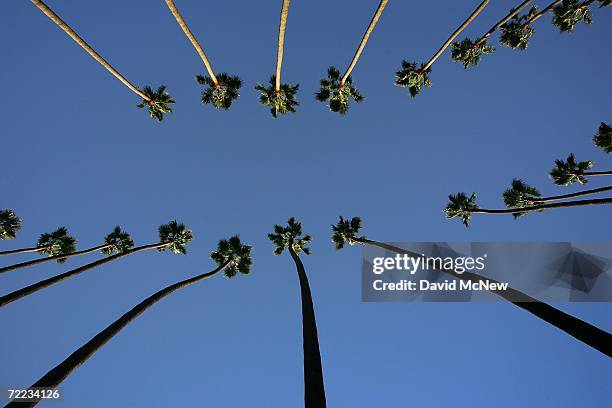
(56, 244)
(156, 102)
(172, 236)
(278, 96)
(290, 238)
(10, 223)
(603, 137)
(569, 171)
(339, 92)
(469, 52)
(346, 231)
(221, 90)
(116, 241)
(521, 194)
(571, 12)
(232, 257)
(413, 77)
(517, 32)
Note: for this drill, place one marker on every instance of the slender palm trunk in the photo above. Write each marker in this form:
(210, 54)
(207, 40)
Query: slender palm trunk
(537, 207)
(579, 329)
(501, 22)
(458, 31)
(28, 290)
(314, 387)
(194, 41)
(61, 371)
(364, 40)
(53, 258)
(57, 20)
(281, 43)
(565, 196)
(541, 13)
(597, 173)
(23, 250)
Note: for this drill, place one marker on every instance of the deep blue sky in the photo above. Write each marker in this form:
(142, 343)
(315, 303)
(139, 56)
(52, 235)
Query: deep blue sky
(76, 152)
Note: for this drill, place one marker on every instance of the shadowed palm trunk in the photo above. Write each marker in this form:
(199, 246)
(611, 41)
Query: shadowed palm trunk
(28, 290)
(564, 204)
(57, 20)
(61, 371)
(501, 22)
(571, 195)
(541, 13)
(53, 258)
(364, 40)
(597, 173)
(23, 250)
(590, 335)
(314, 388)
(281, 43)
(458, 31)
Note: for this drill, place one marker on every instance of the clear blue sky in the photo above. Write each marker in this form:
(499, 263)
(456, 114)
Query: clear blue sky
(76, 152)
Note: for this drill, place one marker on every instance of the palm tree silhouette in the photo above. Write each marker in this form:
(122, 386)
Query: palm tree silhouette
(603, 137)
(232, 257)
(56, 245)
(413, 77)
(157, 102)
(339, 92)
(10, 224)
(570, 171)
(346, 232)
(290, 237)
(172, 236)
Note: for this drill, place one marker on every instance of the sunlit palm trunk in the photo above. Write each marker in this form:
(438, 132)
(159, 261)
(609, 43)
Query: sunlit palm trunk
(314, 388)
(571, 195)
(364, 40)
(458, 31)
(192, 38)
(23, 250)
(565, 204)
(501, 22)
(541, 13)
(281, 42)
(61, 371)
(579, 329)
(597, 173)
(57, 20)
(28, 290)
(53, 258)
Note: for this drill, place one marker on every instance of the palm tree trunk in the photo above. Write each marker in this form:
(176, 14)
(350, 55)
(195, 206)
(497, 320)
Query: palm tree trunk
(28, 290)
(22, 251)
(314, 387)
(53, 258)
(541, 13)
(364, 40)
(597, 173)
(281, 42)
(57, 20)
(501, 22)
(458, 31)
(194, 42)
(61, 371)
(565, 204)
(571, 195)
(585, 332)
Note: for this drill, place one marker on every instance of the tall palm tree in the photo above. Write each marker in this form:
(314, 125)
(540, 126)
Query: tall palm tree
(172, 236)
(290, 237)
(346, 231)
(570, 12)
(56, 244)
(570, 171)
(469, 52)
(10, 224)
(603, 137)
(116, 241)
(517, 32)
(157, 102)
(281, 98)
(232, 257)
(339, 92)
(221, 90)
(413, 77)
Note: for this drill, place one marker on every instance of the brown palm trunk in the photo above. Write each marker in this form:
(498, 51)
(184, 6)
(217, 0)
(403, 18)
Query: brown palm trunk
(585, 332)
(571, 195)
(281, 42)
(23, 250)
(564, 204)
(61, 371)
(28, 290)
(501, 22)
(541, 13)
(314, 387)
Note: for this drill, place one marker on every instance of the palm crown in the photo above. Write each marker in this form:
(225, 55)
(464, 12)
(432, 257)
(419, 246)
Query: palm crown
(569, 13)
(460, 205)
(469, 52)
(290, 236)
(223, 93)
(119, 241)
(567, 172)
(515, 34)
(603, 137)
(158, 102)
(345, 231)
(412, 77)
(10, 223)
(338, 95)
(176, 237)
(281, 102)
(56, 243)
(520, 194)
(235, 254)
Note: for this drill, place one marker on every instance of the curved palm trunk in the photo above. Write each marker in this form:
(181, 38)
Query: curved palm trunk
(22, 251)
(585, 332)
(61, 371)
(57, 20)
(281, 42)
(28, 290)
(314, 388)
(364, 40)
(458, 31)
(541, 13)
(571, 195)
(501, 22)
(53, 258)
(192, 38)
(597, 173)
(565, 204)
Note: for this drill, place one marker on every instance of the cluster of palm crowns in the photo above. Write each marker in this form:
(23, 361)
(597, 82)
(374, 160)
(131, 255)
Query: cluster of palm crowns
(337, 90)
